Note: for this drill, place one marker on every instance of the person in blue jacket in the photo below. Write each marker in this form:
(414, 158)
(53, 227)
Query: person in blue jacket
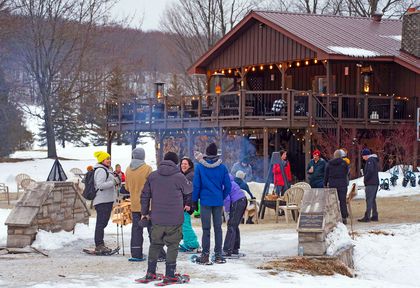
(211, 185)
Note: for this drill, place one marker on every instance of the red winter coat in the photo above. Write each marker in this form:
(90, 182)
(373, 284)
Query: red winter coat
(278, 176)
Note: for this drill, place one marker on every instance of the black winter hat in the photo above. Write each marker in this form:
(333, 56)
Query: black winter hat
(171, 156)
(211, 150)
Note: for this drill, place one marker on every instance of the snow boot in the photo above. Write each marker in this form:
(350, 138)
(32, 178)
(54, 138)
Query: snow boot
(203, 259)
(219, 259)
(102, 249)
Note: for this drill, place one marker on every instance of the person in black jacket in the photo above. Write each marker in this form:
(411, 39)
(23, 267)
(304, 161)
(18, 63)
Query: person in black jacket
(371, 180)
(336, 173)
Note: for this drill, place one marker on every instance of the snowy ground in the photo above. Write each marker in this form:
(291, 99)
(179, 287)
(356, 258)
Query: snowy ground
(381, 261)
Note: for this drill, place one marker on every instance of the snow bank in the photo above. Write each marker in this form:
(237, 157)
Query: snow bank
(338, 239)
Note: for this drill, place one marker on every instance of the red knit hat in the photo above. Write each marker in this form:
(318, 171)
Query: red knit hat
(316, 152)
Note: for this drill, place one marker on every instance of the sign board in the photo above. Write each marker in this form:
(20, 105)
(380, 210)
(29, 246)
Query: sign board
(418, 124)
(311, 221)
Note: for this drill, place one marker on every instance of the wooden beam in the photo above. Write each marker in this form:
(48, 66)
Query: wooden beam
(265, 151)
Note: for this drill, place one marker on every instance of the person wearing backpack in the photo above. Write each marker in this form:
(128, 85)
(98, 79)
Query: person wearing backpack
(105, 197)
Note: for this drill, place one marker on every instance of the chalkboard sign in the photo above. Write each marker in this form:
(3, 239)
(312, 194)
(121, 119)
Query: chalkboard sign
(311, 221)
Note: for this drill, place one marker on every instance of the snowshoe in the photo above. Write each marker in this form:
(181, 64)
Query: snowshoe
(150, 277)
(412, 179)
(419, 180)
(203, 259)
(186, 249)
(178, 279)
(101, 253)
(136, 259)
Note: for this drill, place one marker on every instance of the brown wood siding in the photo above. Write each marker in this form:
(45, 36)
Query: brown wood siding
(259, 45)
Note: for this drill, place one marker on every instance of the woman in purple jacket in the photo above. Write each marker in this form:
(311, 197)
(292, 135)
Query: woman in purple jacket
(235, 205)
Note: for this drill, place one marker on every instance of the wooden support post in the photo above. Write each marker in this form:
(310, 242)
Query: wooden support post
(265, 152)
(307, 148)
(111, 135)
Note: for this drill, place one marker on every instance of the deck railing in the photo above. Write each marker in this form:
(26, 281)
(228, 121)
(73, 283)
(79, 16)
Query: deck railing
(255, 105)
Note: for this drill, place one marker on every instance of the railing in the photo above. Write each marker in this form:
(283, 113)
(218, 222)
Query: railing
(326, 110)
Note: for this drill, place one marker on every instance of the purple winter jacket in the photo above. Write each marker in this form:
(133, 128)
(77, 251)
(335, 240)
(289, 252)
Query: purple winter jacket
(166, 190)
(235, 194)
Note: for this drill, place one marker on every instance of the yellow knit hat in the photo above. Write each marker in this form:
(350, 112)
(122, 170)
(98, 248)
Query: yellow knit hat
(101, 156)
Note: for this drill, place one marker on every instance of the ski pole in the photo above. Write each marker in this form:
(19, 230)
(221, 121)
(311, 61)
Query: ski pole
(122, 239)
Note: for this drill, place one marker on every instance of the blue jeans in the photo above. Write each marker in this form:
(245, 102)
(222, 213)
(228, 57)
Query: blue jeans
(206, 214)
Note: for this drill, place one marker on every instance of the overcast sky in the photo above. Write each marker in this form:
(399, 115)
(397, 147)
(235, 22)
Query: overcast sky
(149, 10)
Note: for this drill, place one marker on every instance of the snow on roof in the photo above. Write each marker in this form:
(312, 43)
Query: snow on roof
(353, 51)
(395, 37)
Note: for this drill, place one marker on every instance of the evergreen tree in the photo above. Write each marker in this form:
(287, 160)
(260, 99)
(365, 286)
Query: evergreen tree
(13, 133)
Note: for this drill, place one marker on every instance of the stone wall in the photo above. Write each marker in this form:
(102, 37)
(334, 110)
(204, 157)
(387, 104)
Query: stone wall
(49, 206)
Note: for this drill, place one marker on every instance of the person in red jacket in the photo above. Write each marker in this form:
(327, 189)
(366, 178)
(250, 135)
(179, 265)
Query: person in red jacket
(282, 174)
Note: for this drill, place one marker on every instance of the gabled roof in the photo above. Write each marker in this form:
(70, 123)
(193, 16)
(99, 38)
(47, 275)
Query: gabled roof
(332, 37)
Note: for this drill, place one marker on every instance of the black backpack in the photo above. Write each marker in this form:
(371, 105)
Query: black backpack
(89, 193)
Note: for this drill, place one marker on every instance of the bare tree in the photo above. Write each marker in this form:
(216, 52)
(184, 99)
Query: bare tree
(196, 25)
(53, 39)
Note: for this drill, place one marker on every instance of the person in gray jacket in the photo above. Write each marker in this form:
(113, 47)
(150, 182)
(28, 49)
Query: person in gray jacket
(104, 199)
(166, 191)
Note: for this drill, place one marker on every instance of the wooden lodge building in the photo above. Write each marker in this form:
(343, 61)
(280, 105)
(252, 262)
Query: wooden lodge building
(281, 80)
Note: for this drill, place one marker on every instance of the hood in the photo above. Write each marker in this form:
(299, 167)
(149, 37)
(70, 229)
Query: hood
(167, 168)
(208, 161)
(373, 156)
(211, 163)
(136, 163)
(336, 162)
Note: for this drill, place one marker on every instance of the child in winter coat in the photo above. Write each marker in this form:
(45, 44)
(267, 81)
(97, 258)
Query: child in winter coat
(235, 205)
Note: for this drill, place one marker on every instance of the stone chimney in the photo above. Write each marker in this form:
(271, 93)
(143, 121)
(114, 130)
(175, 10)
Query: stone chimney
(410, 41)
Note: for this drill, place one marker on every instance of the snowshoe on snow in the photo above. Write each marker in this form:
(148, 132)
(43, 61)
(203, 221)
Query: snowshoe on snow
(394, 179)
(101, 252)
(178, 279)
(150, 277)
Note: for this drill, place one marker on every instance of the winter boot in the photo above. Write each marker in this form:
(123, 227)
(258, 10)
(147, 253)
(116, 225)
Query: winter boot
(170, 270)
(151, 267)
(203, 259)
(219, 259)
(102, 249)
(249, 221)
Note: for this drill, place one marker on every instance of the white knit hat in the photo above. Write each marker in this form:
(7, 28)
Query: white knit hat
(240, 174)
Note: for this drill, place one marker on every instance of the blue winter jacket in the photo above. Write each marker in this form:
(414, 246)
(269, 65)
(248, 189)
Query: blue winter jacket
(211, 182)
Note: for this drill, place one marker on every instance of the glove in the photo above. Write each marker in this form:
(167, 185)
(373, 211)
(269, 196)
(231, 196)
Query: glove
(227, 216)
(194, 207)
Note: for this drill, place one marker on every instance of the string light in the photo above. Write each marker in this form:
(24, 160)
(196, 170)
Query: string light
(315, 61)
(271, 67)
(253, 69)
(306, 62)
(297, 64)
(261, 67)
